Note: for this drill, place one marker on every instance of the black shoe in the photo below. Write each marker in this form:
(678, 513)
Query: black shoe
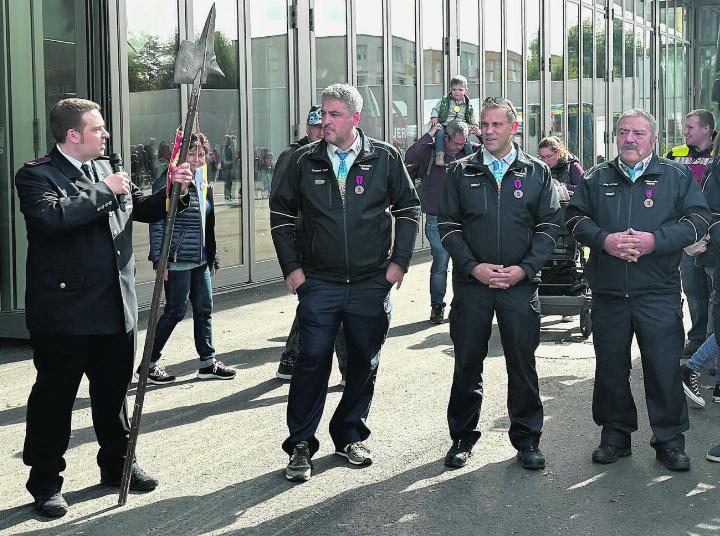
(139, 481)
(690, 386)
(459, 453)
(300, 466)
(531, 458)
(158, 376)
(216, 371)
(716, 393)
(437, 314)
(674, 458)
(609, 454)
(51, 504)
(285, 368)
(690, 348)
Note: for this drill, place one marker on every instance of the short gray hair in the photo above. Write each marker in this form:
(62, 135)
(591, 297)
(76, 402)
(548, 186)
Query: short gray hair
(503, 104)
(639, 112)
(345, 93)
(453, 128)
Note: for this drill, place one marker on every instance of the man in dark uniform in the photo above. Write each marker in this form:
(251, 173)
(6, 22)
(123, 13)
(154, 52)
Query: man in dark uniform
(347, 187)
(80, 300)
(637, 213)
(498, 220)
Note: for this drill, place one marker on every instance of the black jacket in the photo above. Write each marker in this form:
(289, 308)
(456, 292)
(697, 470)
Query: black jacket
(607, 202)
(478, 224)
(351, 241)
(711, 189)
(80, 262)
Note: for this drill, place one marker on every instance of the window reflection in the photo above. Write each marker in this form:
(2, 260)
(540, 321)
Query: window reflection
(532, 121)
(433, 58)
(219, 119)
(154, 102)
(492, 27)
(588, 101)
(330, 44)
(469, 34)
(574, 109)
(514, 70)
(599, 97)
(270, 108)
(557, 68)
(404, 74)
(370, 75)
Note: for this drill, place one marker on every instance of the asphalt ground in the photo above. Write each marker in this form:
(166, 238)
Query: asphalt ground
(215, 445)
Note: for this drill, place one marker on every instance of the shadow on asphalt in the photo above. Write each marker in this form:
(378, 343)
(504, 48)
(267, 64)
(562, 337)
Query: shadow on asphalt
(572, 496)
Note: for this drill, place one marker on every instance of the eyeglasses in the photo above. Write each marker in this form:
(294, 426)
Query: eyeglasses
(547, 157)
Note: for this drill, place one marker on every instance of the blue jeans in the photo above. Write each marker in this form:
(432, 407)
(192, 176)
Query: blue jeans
(697, 286)
(441, 259)
(194, 284)
(706, 354)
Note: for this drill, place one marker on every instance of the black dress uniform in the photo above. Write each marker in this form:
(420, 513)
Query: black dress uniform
(640, 298)
(344, 248)
(81, 307)
(513, 224)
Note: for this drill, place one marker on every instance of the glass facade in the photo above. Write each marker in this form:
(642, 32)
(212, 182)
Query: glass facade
(570, 66)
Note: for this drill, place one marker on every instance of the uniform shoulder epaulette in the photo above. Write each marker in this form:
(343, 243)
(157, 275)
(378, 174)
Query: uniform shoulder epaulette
(42, 160)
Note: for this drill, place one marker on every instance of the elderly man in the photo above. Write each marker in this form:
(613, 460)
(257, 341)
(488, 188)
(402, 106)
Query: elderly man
(498, 220)
(347, 187)
(696, 270)
(80, 300)
(637, 213)
(422, 154)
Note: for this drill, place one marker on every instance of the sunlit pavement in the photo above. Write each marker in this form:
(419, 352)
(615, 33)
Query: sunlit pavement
(216, 445)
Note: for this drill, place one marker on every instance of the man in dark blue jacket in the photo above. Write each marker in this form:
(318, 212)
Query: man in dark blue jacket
(636, 213)
(80, 300)
(348, 187)
(498, 220)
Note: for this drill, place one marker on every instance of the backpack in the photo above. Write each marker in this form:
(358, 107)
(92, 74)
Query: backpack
(418, 174)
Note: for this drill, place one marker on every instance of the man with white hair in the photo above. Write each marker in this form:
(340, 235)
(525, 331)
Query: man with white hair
(350, 190)
(636, 213)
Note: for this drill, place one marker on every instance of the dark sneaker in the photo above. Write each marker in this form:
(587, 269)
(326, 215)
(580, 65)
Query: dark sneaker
(459, 453)
(139, 481)
(285, 368)
(674, 458)
(216, 371)
(51, 504)
(609, 454)
(158, 376)
(531, 458)
(690, 386)
(713, 454)
(716, 393)
(300, 467)
(437, 314)
(356, 453)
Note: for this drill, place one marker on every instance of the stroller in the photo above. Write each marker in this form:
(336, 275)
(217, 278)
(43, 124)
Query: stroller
(563, 289)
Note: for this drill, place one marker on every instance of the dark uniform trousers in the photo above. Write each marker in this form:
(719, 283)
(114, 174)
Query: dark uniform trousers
(518, 316)
(61, 361)
(656, 321)
(323, 306)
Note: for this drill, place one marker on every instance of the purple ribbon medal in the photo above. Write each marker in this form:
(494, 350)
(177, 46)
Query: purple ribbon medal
(359, 189)
(518, 189)
(648, 198)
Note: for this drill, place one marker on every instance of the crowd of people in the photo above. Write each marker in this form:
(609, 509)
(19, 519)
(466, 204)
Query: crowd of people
(345, 210)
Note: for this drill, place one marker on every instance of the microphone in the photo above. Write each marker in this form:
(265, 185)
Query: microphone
(117, 166)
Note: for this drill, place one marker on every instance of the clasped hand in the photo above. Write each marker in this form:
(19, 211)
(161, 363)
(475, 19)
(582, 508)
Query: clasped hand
(629, 245)
(497, 275)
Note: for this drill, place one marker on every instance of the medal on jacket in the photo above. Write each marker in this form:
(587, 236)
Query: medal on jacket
(359, 189)
(518, 192)
(456, 109)
(648, 198)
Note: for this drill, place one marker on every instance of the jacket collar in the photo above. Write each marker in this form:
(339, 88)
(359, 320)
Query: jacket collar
(521, 159)
(653, 168)
(69, 170)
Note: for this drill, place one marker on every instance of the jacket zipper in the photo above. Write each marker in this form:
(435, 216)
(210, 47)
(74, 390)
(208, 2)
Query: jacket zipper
(499, 189)
(627, 264)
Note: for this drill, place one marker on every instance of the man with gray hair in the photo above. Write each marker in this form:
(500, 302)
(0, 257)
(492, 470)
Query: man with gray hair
(350, 189)
(498, 220)
(432, 177)
(636, 213)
